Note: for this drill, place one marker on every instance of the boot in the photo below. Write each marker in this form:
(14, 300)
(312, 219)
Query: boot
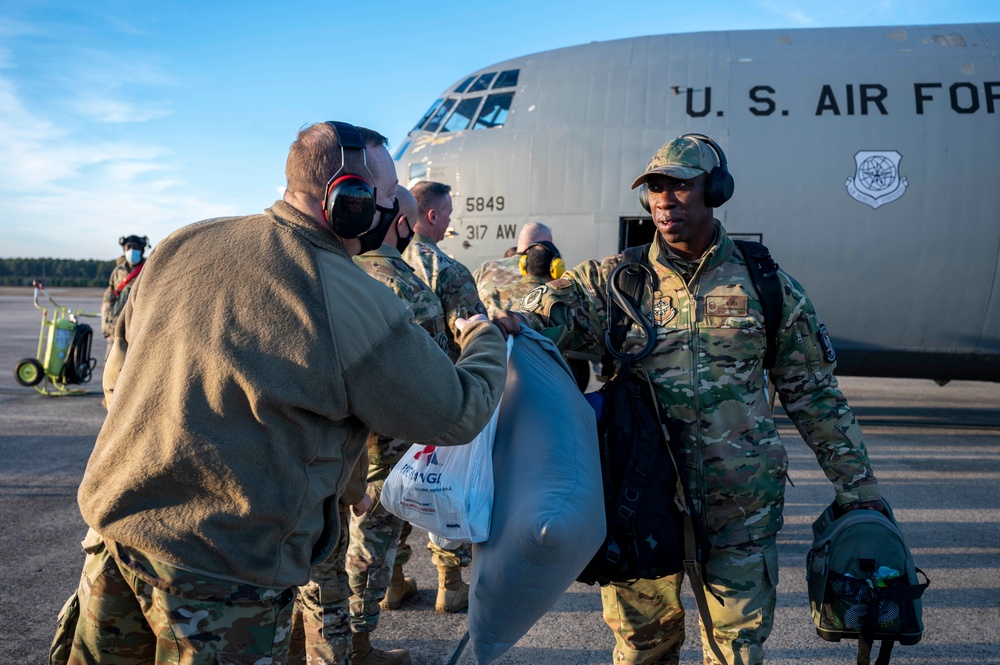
(453, 593)
(400, 588)
(363, 653)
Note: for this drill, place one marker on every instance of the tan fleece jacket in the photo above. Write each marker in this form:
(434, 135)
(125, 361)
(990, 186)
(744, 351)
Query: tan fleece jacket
(250, 363)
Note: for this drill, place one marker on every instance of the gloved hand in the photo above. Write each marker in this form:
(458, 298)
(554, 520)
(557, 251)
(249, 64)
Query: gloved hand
(870, 504)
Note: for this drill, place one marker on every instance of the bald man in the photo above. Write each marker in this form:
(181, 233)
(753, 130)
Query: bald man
(494, 275)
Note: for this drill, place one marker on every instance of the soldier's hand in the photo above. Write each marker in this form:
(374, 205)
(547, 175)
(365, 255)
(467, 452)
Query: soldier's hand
(507, 322)
(362, 506)
(871, 504)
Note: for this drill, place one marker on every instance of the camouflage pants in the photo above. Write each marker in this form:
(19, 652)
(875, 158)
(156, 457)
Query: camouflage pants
(403, 549)
(648, 620)
(139, 611)
(321, 627)
(460, 557)
(370, 558)
(457, 558)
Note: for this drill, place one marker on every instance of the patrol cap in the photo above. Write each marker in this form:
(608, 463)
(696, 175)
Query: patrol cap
(683, 158)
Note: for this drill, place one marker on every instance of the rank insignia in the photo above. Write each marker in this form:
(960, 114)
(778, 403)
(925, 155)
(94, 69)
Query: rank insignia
(560, 283)
(531, 301)
(663, 310)
(829, 354)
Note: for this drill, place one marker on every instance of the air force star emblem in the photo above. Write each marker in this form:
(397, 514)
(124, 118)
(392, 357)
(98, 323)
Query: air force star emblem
(663, 310)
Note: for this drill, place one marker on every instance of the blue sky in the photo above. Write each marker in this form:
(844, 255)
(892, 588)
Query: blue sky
(122, 118)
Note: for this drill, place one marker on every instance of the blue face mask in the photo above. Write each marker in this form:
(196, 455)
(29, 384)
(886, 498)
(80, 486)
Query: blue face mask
(133, 256)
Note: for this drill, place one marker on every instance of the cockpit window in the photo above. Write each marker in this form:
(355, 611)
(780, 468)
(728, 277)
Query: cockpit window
(418, 171)
(436, 103)
(439, 115)
(462, 117)
(495, 111)
(506, 79)
(465, 84)
(483, 82)
(466, 110)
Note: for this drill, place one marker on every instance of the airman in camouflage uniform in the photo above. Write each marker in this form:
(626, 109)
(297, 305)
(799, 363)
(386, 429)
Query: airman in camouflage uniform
(538, 261)
(119, 284)
(494, 275)
(456, 289)
(321, 623)
(449, 279)
(376, 556)
(707, 368)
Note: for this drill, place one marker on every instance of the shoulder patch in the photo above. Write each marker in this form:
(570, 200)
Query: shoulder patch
(560, 283)
(829, 354)
(531, 301)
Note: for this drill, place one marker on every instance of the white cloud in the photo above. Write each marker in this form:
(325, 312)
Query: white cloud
(113, 87)
(65, 194)
(107, 109)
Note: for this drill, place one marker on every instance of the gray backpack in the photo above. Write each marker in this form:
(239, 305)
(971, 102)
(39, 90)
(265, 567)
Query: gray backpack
(862, 581)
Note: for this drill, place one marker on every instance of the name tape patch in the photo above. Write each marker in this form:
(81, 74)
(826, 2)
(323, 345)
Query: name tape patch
(727, 305)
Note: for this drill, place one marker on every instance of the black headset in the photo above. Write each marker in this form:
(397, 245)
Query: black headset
(350, 199)
(718, 187)
(556, 265)
(144, 241)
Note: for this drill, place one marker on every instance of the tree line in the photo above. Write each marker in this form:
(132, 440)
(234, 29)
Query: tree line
(55, 272)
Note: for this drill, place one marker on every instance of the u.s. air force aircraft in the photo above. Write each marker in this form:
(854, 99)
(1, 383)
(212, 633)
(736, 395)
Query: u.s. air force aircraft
(866, 159)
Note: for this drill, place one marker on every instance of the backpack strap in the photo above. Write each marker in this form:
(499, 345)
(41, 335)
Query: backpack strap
(866, 638)
(692, 562)
(764, 275)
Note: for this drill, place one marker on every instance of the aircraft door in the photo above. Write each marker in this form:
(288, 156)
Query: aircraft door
(635, 231)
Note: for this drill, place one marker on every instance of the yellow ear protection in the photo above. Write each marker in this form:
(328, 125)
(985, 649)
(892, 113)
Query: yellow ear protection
(350, 199)
(719, 186)
(556, 266)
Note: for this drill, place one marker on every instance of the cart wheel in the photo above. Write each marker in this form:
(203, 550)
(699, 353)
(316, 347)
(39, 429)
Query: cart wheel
(29, 372)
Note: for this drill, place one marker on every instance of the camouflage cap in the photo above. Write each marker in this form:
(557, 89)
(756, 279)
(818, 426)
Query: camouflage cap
(683, 157)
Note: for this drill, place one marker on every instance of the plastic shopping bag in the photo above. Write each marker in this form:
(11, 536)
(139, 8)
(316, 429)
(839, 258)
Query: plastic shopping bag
(446, 490)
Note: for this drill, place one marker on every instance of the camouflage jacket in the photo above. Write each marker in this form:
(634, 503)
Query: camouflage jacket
(113, 304)
(387, 266)
(493, 275)
(506, 296)
(450, 280)
(707, 368)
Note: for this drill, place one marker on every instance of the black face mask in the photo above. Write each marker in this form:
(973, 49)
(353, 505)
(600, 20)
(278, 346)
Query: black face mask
(403, 243)
(374, 237)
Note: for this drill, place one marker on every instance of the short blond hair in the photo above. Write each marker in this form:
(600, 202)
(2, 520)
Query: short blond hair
(429, 195)
(314, 157)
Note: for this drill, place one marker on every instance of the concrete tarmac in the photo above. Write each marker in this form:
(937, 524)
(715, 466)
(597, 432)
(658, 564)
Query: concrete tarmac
(936, 451)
